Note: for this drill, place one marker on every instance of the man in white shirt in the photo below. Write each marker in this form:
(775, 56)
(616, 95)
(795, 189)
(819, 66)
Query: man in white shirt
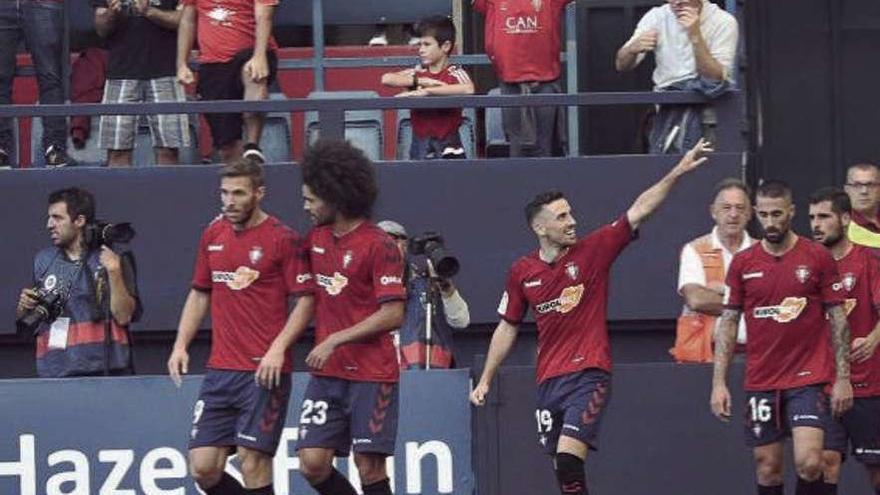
(703, 266)
(694, 44)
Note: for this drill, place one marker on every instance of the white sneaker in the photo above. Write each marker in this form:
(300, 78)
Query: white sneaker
(378, 39)
(253, 152)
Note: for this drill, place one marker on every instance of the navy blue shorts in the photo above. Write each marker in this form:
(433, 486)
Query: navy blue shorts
(770, 415)
(859, 428)
(233, 410)
(343, 415)
(572, 405)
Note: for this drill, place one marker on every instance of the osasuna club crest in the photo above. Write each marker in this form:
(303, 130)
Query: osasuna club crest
(572, 270)
(255, 254)
(802, 273)
(849, 281)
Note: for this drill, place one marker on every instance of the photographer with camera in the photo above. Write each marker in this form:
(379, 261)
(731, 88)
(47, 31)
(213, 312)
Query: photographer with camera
(425, 340)
(84, 295)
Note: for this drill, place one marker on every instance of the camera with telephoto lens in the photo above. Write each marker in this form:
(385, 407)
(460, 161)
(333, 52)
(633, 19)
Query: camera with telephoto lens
(127, 7)
(431, 245)
(100, 233)
(50, 303)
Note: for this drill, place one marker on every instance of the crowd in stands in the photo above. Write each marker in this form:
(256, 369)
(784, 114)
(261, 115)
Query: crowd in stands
(149, 44)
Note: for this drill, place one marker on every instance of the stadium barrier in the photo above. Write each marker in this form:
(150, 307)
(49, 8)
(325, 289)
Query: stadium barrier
(127, 436)
(476, 205)
(658, 437)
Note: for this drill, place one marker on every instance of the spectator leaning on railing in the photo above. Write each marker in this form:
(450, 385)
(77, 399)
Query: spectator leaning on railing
(523, 40)
(435, 130)
(41, 23)
(694, 45)
(141, 36)
(238, 60)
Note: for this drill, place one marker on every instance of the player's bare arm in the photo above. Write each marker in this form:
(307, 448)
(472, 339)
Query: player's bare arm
(269, 372)
(864, 347)
(653, 197)
(503, 340)
(389, 316)
(725, 341)
(194, 310)
(841, 392)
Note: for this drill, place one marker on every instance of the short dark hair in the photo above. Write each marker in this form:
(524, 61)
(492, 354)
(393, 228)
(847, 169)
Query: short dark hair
(78, 201)
(865, 167)
(840, 202)
(773, 189)
(341, 175)
(545, 198)
(439, 27)
(244, 167)
(730, 183)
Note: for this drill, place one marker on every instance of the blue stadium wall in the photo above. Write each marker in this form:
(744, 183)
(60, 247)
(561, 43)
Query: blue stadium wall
(94, 435)
(477, 206)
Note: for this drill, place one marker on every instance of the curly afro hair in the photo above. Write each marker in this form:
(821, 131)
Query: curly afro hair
(341, 175)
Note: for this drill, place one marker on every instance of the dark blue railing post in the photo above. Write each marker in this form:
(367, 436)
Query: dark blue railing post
(318, 43)
(571, 72)
(332, 123)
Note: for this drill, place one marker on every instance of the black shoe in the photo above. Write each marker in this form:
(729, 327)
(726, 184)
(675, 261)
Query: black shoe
(4, 159)
(253, 152)
(56, 157)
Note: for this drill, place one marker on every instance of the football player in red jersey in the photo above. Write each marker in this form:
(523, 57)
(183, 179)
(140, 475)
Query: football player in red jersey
(247, 265)
(351, 401)
(830, 215)
(784, 285)
(565, 284)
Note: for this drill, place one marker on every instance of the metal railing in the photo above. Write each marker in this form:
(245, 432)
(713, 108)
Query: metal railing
(331, 112)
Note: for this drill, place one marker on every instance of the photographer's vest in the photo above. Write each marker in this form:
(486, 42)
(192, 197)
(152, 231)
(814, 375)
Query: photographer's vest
(83, 350)
(694, 331)
(413, 343)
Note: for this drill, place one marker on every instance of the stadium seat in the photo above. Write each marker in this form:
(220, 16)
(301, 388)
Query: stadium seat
(466, 133)
(496, 140)
(276, 138)
(363, 128)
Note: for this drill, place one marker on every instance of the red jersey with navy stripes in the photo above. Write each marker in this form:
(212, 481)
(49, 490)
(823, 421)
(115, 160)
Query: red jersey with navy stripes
(569, 299)
(784, 300)
(354, 275)
(860, 282)
(250, 274)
